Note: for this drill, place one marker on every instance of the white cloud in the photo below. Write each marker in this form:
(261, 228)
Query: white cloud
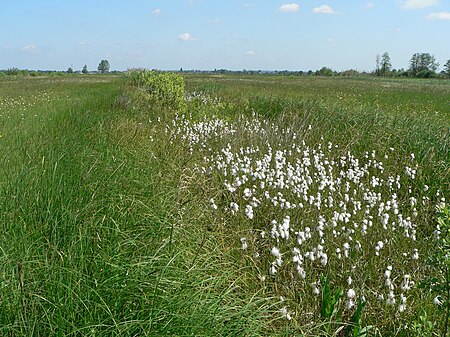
(30, 49)
(156, 11)
(438, 16)
(213, 21)
(186, 37)
(248, 5)
(84, 43)
(250, 53)
(417, 4)
(324, 9)
(370, 5)
(330, 40)
(293, 7)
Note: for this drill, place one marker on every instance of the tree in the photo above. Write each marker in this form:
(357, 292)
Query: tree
(85, 70)
(350, 73)
(103, 66)
(70, 70)
(12, 71)
(325, 71)
(423, 65)
(447, 68)
(377, 69)
(414, 64)
(386, 65)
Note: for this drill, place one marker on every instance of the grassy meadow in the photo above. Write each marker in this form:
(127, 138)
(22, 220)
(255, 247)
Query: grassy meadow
(255, 206)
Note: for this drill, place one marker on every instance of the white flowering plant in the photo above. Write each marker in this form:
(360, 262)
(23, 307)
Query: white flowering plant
(301, 209)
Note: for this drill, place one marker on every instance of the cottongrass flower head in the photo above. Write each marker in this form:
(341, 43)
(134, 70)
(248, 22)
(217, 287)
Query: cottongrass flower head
(327, 209)
(437, 300)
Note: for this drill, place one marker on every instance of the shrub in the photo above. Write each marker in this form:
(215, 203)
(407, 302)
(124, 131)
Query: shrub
(426, 74)
(164, 89)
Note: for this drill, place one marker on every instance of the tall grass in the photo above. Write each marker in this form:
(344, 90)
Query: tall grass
(106, 226)
(252, 117)
(91, 241)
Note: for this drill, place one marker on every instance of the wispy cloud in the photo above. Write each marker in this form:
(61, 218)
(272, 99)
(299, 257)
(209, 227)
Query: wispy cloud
(248, 5)
(156, 11)
(330, 40)
(370, 5)
(438, 16)
(84, 43)
(250, 53)
(212, 21)
(324, 9)
(286, 8)
(186, 37)
(30, 49)
(417, 4)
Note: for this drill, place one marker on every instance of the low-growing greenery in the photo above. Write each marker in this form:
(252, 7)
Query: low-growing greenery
(232, 206)
(164, 89)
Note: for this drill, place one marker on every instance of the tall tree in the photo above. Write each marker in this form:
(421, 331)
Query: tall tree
(377, 64)
(423, 65)
(103, 66)
(70, 70)
(447, 68)
(386, 66)
(414, 64)
(85, 69)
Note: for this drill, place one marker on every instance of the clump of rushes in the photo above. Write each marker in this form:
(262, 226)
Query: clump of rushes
(305, 210)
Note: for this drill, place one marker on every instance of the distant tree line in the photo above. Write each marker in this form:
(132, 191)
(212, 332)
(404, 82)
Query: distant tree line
(102, 68)
(421, 65)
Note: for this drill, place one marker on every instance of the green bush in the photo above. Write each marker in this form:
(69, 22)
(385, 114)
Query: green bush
(426, 74)
(165, 89)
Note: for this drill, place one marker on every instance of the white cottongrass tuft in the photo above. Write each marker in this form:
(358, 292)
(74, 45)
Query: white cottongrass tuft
(322, 206)
(244, 243)
(437, 300)
(249, 212)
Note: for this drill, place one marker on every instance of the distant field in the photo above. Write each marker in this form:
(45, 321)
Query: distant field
(261, 206)
(370, 112)
(394, 95)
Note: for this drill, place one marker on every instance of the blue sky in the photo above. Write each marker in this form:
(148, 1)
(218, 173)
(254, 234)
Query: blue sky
(232, 34)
